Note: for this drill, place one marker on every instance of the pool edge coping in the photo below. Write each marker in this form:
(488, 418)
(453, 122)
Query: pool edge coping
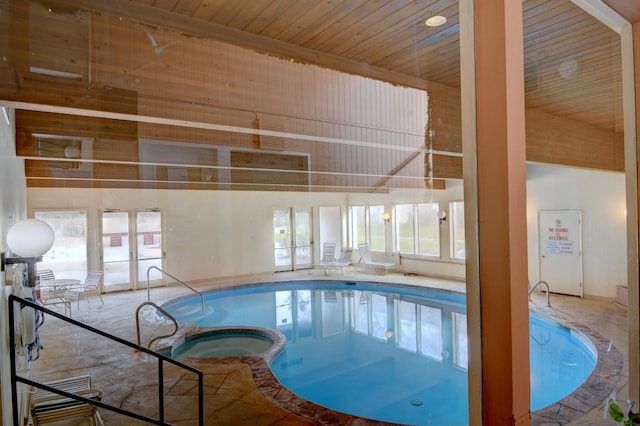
(591, 393)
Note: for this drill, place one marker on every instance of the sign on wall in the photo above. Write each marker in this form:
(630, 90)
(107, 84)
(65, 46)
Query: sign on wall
(559, 242)
(560, 252)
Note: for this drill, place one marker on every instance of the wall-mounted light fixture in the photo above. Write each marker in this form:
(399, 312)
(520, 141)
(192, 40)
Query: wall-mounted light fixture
(29, 239)
(386, 216)
(442, 216)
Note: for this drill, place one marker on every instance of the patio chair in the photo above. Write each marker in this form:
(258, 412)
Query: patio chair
(91, 286)
(48, 293)
(369, 263)
(46, 275)
(328, 257)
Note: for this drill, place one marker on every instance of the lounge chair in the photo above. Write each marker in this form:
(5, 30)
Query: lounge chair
(343, 261)
(48, 407)
(367, 260)
(328, 257)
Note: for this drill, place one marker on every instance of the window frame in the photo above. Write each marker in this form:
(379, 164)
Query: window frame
(456, 223)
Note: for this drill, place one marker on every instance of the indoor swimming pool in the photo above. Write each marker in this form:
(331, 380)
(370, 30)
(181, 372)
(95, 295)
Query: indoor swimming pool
(382, 351)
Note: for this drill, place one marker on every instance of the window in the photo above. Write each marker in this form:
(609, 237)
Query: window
(404, 226)
(422, 217)
(457, 229)
(67, 258)
(428, 229)
(358, 225)
(376, 228)
(367, 226)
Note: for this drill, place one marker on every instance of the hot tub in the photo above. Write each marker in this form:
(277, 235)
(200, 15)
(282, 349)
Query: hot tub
(229, 342)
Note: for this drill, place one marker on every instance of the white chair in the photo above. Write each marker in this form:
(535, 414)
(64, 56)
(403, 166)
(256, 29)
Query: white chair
(367, 260)
(343, 261)
(91, 286)
(48, 407)
(328, 257)
(48, 293)
(46, 275)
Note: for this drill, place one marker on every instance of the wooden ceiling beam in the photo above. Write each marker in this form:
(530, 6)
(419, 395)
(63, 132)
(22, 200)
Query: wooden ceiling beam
(628, 9)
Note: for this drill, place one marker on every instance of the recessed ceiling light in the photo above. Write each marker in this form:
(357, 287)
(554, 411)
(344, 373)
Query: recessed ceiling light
(435, 21)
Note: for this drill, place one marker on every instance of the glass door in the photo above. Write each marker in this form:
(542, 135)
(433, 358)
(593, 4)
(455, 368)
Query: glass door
(150, 248)
(67, 258)
(116, 253)
(292, 239)
(282, 240)
(302, 243)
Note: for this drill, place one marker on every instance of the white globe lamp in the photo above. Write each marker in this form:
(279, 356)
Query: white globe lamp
(30, 238)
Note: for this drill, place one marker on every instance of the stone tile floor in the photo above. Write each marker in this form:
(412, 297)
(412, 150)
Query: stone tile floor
(242, 391)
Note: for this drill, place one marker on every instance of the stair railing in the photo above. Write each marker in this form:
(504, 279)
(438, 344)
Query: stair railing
(15, 378)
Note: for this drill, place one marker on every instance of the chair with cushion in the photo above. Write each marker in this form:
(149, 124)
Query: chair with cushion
(91, 286)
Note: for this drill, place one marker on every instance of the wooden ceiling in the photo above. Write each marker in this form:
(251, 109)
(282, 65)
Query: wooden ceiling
(572, 61)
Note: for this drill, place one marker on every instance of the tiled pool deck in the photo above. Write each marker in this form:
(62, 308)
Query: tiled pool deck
(242, 390)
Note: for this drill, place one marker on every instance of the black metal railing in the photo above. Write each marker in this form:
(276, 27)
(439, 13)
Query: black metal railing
(15, 379)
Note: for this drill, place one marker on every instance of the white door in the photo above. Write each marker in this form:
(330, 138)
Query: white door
(560, 248)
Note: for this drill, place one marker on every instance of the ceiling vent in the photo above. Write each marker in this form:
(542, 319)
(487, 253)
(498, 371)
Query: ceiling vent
(268, 141)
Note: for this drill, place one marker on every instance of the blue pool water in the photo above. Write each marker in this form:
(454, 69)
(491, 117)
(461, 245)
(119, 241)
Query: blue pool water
(385, 352)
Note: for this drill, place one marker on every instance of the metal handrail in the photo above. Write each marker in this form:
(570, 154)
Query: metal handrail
(13, 299)
(538, 284)
(165, 313)
(181, 282)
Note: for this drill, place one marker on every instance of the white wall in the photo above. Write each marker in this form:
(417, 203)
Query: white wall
(12, 209)
(224, 233)
(601, 198)
(208, 233)
(213, 234)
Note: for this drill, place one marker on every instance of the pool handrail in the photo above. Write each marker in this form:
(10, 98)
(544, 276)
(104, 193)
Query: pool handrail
(537, 284)
(165, 313)
(177, 280)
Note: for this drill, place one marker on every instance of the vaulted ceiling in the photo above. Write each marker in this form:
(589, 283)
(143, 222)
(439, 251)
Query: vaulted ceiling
(389, 40)
(572, 61)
